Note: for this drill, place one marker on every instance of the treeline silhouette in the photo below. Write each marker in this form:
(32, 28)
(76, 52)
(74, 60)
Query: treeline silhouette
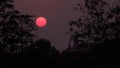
(94, 39)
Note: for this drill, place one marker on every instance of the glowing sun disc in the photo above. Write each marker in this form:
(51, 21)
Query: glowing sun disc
(41, 21)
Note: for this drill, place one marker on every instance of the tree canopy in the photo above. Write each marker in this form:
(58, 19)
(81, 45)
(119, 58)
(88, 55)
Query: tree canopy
(97, 24)
(14, 28)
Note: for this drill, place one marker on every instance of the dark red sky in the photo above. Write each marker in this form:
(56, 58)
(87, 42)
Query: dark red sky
(58, 14)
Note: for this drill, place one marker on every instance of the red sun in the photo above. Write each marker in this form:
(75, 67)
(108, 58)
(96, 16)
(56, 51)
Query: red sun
(41, 21)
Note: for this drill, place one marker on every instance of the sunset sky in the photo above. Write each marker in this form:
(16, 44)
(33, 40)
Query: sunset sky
(58, 14)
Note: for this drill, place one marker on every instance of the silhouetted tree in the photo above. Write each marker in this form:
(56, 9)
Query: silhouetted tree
(96, 25)
(42, 47)
(95, 36)
(43, 53)
(15, 28)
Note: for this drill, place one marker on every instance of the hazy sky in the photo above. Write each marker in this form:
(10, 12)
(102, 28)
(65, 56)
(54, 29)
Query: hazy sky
(58, 14)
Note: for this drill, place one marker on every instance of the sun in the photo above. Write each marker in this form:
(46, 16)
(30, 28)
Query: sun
(41, 21)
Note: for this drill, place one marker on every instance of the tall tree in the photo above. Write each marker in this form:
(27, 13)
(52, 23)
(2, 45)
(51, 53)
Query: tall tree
(15, 28)
(97, 25)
